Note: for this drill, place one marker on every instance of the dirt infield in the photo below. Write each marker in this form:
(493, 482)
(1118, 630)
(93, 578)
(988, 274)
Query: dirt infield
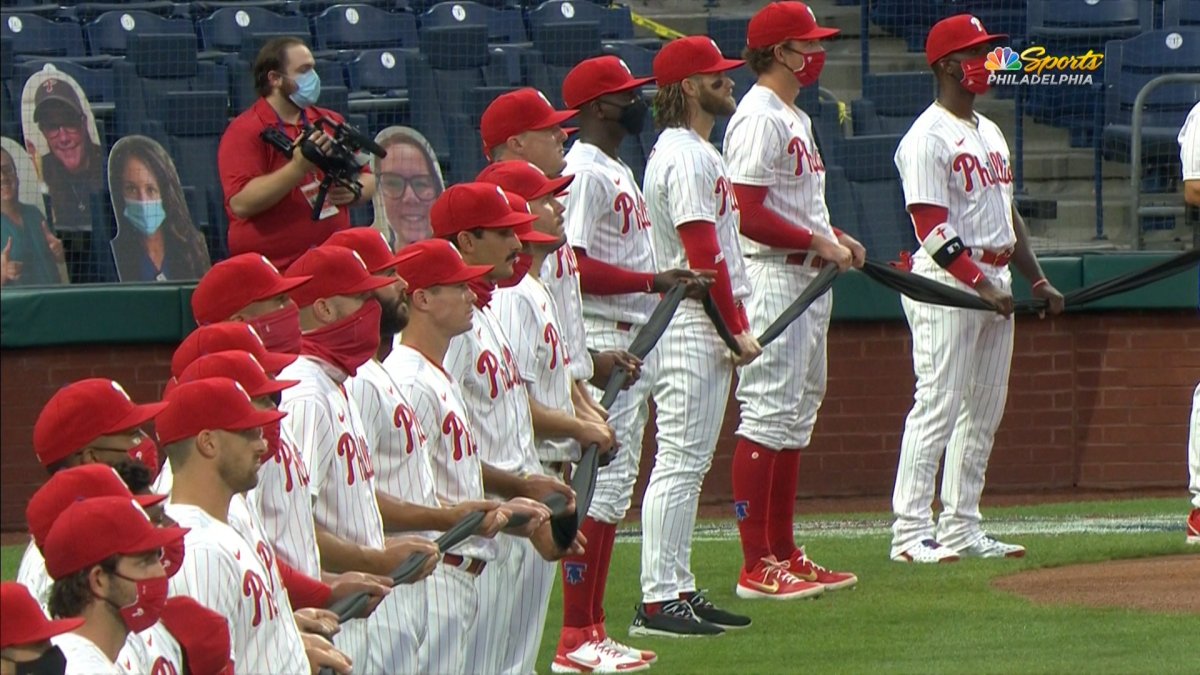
(1168, 584)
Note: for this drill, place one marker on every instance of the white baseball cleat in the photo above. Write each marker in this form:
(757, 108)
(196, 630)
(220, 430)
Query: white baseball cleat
(927, 551)
(991, 548)
(595, 657)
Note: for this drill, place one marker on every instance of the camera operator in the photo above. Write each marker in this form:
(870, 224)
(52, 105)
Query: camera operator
(269, 197)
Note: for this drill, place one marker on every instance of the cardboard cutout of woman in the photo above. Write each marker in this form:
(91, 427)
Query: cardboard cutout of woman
(409, 179)
(60, 134)
(30, 255)
(156, 240)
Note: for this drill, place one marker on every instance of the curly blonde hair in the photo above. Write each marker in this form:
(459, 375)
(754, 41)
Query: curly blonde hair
(670, 107)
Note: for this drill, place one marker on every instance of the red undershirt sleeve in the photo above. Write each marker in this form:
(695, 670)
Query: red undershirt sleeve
(303, 591)
(764, 225)
(597, 277)
(926, 217)
(699, 239)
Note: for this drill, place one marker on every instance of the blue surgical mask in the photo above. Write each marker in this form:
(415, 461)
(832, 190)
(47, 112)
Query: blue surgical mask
(147, 217)
(308, 89)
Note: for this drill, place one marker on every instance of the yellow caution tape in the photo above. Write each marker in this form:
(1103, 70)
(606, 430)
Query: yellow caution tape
(655, 27)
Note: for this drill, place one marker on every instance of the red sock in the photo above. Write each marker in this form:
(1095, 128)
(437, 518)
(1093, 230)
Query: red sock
(752, 469)
(608, 535)
(782, 510)
(581, 576)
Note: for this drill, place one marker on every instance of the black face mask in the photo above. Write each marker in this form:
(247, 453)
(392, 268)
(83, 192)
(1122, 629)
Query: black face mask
(52, 662)
(276, 398)
(633, 117)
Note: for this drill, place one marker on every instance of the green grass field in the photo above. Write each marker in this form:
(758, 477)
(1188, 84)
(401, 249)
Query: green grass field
(945, 619)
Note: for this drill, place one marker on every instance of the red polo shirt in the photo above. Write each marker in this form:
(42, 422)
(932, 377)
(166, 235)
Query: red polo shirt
(285, 231)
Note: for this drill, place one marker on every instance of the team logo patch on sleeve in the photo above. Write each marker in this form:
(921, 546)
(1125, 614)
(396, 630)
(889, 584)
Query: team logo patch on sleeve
(741, 510)
(573, 572)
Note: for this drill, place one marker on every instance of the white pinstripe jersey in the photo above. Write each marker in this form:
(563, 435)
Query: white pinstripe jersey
(32, 575)
(770, 144)
(686, 181)
(606, 216)
(560, 276)
(283, 501)
(529, 318)
(395, 436)
(83, 656)
(451, 448)
(946, 161)
(1189, 145)
(325, 423)
(481, 359)
(230, 575)
(160, 649)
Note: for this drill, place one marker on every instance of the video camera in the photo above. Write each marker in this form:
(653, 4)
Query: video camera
(339, 164)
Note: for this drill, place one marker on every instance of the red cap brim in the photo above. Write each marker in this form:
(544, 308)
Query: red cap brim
(155, 538)
(723, 65)
(570, 130)
(468, 273)
(273, 362)
(146, 501)
(818, 33)
(256, 419)
(367, 285)
(272, 387)
(535, 237)
(513, 219)
(554, 119)
(554, 186)
(51, 628)
(284, 285)
(137, 417)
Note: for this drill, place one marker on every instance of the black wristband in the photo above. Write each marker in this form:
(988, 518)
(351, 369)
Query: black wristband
(947, 254)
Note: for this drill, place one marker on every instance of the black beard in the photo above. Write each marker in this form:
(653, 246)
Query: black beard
(392, 322)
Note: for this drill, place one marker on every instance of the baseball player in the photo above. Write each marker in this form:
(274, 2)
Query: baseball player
(607, 225)
(694, 221)
(404, 477)
(953, 163)
(25, 640)
(479, 220)
(779, 182)
(121, 569)
(248, 288)
(522, 124)
(212, 435)
(1189, 158)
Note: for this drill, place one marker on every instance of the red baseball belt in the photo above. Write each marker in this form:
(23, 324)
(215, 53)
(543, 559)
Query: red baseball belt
(472, 566)
(808, 259)
(996, 258)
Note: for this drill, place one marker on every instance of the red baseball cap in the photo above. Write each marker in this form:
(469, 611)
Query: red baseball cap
(516, 112)
(76, 484)
(523, 178)
(525, 232)
(783, 21)
(236, 282)
(471, 206)
(956, 33)
(369, 244)
(93, 530)
(22, 621)
(335, 270)
(202, 634)
(210, 404)
(239, 366)
(219, 337)
(437, 263)
(596, 77)
(687, 56)
(83, 411)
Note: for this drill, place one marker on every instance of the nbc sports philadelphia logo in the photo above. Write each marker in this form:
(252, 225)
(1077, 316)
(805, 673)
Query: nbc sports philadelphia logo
(1034, 66)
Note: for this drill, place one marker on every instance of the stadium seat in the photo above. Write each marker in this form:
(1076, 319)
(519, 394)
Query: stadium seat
(729, 32)
(998, 16)
(615, 23)
(559, 47)
(378, 85)
(98, 83)
(883, 224)
(86, 12)
(316, 7)
(839, 198)
(156, 67)
(890, 101)
(908, 19)
(200, 9)
(1181, 13)
(505, 26)
(360, 26)
(38, 36)
(865, 158)
(10, 123)
(109, 32)
(194, 123)
(225, 29)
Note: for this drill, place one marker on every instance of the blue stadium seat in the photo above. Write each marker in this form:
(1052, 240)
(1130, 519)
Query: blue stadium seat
(1131, 64)
(360, 26)
(1180, 13)
(378, 85)
(908, 19)
(505, 26)
(155, 68)
(839, 198)
(98, 83)
(729, 32)
(10, 96)
(884, 224)
(316, 7)
(998, 16)
(194, 123)
(109, 33)
(560, 46)
(37, 36)
(640, 59)
(615, 23)
(87, 11)
(225, 29)
(199, 9)
(890, 101)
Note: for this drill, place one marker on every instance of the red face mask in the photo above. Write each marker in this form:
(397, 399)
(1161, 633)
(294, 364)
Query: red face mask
(146, 609)
(349, 343)
(975, 76)
(172, 557)
(146, 452)
(273, 433)
(520, 269)
(808, 74)
(483, 289)
(280, 330)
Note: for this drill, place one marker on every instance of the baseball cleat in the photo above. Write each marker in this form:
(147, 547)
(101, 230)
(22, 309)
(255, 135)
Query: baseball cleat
(927, 551)
(706, 610)
(594, 657)
(643, 654)
(1193, 527)
(771, 580)
(802, 567)
(675, 619)
(992, 548)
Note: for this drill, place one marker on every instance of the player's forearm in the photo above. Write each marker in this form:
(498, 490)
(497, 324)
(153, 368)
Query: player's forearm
(704, 253)
(584, 403)
(303, 591)
(766, 227)
(339, 555)
(1023, 256)
(942, 244)
(503, 483)
(263, 192)
(597, 277)
(401, 516)
(551, 423)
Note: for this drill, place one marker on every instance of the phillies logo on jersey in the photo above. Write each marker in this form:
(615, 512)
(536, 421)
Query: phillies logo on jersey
(464, 442)
(729, 200)
(799, 149)
(253, 587)
(163, 667)
(573, 572)
(550, 336)
(354, 452)
(268, 558)
(565, 262)
(634, 212)
(287, 458)
(498, 373)
(992, 171)
(406, 420)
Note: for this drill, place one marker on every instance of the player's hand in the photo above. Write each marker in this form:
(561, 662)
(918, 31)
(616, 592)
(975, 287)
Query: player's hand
(317, 621)
(832, 251)
(537, 512)
(697, 283)
(398, 549)
(349, 583)
(858, 252)
(538, 487)
(322, 654)
(340, 195)
(543, 542)
(1052, 296)
(749, 348)
(599, 433)
(1000, 299)
(605, 362)
(11, 269)
(494, 520)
